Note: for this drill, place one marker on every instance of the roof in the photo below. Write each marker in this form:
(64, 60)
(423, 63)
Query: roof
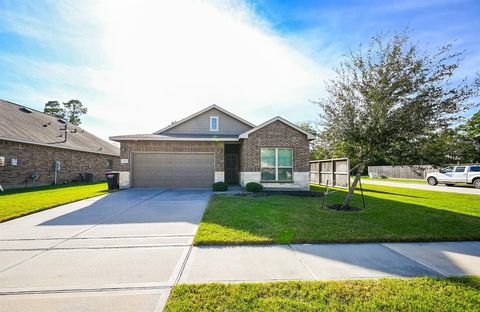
(174, 137)
(278, 118)
(201, 112)
(26, 125)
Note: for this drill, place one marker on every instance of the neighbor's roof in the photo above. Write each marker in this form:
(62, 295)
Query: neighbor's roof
(26, 125)
(278, 118)
(201, 112)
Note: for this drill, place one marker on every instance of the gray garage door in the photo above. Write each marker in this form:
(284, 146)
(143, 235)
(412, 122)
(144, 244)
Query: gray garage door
(173, 170)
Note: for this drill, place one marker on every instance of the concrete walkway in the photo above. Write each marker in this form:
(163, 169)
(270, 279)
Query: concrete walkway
(463, 189)
(330, 261)
(119, 252)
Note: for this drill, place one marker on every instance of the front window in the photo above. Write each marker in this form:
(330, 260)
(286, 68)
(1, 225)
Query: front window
(213, 123)
(460, 169)
(109, 164)
(276, 164)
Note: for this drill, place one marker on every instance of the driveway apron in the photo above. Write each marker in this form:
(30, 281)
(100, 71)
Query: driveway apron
(122, 252)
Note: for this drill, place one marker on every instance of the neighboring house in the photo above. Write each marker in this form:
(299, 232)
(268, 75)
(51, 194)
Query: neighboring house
(31, 143)
(215, 145)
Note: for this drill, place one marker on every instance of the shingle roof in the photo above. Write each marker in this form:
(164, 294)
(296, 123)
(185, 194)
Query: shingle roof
(34, 127)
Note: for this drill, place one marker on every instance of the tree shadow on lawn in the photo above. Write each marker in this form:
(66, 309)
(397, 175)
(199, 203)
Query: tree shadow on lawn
(287, 219)
(281, 220)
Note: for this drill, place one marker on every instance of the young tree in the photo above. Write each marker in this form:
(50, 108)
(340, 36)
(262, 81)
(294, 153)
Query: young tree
(389, 98)
(53, 108)
(73, 110)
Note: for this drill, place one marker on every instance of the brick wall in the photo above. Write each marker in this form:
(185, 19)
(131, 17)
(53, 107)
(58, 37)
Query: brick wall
(126, 147)
(41, 159)
(276, 134)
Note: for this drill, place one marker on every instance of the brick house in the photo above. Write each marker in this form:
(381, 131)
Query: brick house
(215, 145)
(31, 143)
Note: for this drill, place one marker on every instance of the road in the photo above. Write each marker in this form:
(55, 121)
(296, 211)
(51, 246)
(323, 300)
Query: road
(418, 186)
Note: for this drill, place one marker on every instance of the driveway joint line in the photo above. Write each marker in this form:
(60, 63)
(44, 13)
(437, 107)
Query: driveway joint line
(184, 264)
(303, 263)
(416, 261)
(77, 290)
(96, 237)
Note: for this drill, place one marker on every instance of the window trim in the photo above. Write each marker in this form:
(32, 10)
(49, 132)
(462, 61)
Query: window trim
(277, 166)
(218, 123)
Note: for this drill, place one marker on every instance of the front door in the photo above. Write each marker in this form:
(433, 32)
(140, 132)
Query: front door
(231, 163)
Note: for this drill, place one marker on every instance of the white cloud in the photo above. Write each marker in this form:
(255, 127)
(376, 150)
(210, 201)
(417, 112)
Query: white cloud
(159, 61)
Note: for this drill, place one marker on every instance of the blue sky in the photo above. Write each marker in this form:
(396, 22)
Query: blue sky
(138, 65)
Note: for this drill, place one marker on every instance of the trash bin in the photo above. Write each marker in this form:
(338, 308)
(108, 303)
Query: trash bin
(112, 179)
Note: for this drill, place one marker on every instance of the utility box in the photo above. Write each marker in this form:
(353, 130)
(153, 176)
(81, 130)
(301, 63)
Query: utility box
(88, 177)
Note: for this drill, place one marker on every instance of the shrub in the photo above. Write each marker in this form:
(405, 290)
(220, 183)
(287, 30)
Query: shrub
(253, 187)
(219, 186)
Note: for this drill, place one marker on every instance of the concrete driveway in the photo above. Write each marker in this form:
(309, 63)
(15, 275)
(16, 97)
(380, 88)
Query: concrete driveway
(119, 252)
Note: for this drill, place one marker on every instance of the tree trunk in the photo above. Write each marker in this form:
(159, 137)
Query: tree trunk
(349, 197)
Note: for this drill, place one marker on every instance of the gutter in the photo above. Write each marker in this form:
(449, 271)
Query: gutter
(62, 147)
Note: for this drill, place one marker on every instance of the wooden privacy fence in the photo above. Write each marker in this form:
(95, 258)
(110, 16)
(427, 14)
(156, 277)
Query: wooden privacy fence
(400, 172)
(335, 171)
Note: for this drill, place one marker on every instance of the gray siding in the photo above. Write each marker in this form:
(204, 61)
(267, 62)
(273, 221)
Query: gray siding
(201, 125)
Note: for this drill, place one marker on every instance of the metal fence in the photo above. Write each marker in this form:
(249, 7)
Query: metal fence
(334, 171)
(400, 172)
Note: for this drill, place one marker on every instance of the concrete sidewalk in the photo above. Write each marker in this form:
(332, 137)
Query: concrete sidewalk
(465, 189)
(330, 261)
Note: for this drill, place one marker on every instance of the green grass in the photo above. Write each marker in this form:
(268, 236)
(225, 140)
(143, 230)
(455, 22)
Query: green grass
(421, 181)
(416, 294)
(19, 202)
(392, 214)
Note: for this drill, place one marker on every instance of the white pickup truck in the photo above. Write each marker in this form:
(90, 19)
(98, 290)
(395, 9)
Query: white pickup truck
(454, 175)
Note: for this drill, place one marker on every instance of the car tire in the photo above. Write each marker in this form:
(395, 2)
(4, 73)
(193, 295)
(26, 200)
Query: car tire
(432, 181)
(476, 183)
(449, 184)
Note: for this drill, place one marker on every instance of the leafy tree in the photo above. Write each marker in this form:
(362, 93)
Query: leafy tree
(469, 136)
(73, 110)
(389, 98)
(53, 108)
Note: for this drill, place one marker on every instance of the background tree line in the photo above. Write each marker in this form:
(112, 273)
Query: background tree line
(70, 111)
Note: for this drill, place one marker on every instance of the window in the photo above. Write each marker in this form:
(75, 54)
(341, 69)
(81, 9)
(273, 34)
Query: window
(475, 169)
(460, 169)
(109, 164)
(213, 123)
(276, 164)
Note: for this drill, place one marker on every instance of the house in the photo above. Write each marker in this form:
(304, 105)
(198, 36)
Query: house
(39, 149)
(215, 145)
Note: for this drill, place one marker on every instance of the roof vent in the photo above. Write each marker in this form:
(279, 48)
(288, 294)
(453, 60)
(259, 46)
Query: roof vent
(26, 110)
(60, 120)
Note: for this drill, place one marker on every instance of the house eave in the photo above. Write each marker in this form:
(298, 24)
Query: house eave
(57, 146)
(278, 118)
(119, 139)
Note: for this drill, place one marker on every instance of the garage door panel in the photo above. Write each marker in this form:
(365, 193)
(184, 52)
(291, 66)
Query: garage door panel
(173, 170)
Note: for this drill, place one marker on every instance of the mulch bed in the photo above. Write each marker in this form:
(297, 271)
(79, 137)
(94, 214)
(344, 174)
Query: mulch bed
(343, 208)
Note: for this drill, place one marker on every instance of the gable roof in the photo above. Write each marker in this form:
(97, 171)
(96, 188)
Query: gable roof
(25, 125)
(278, 118)
(201, 112)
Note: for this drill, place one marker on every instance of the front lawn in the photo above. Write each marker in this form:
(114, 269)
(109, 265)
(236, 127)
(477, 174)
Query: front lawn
(416, 294)
(19, 202)
(393, 214)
